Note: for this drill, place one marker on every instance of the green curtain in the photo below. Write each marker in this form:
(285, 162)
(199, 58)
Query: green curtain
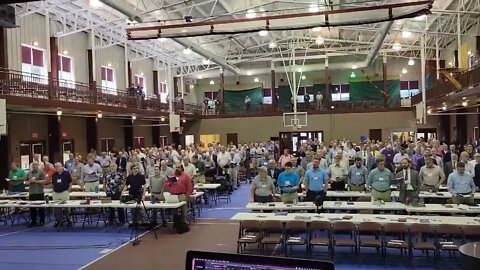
(361, 91)
(319, 88)
(235, 99)
(284, 96)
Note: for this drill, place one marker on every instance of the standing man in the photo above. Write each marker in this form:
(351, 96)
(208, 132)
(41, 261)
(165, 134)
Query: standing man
(357, 176)
(263, 189)
(62, 184)
(91, 173)
(337, 174)
(316, 181)
(69, 163)
(431, 176)
(379, 180)
(105, 161)
(476, 170)
(16, 177)
(157, 186)
(409, 186)
(248, 102)
(286, 157)
(76, 172)
(136, 188)
(188, 167)
(461, 185)
(179, 183)
(450, 166)
(113, 186)
(36, 181)
(289, 183)
(319, 99)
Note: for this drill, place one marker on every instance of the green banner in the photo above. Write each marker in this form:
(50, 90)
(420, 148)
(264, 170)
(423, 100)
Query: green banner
(235, 99)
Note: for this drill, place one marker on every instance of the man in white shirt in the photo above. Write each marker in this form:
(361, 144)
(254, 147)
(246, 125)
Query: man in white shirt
(235, 165)
(188, 167)
(91, 173)
(469, 166)
(319, 100)
(248, 101)
(223, 158)
(399, 156)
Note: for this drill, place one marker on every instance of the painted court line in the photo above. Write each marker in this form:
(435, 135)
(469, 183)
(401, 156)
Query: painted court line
(111, 251)
(10, 233)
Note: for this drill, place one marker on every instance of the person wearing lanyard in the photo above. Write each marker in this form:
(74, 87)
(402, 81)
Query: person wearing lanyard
(16, 177)
(113, 186)
(62, 184)
(338, 173)
(91, 173)
(179, 183)
(289, 183)
(409, 185)
(35, 181)
(263, 188)
(357, 176)
(461, 185)
(379, 181)
(431, 175)
(157, 185)
(316, 181)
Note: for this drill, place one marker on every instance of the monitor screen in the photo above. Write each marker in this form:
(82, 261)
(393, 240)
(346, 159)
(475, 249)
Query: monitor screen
(197, 260)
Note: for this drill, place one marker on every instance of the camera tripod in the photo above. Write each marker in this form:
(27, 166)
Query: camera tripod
(136, 215)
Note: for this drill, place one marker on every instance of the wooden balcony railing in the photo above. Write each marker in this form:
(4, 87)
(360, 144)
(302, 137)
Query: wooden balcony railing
(467, 79)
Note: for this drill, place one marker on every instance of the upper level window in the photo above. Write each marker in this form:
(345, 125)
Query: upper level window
(340, 92)
(108, 81)
(267, 96)
(33, 62)
(65, 71)
(140, 82)
(163, 92)
(212, 96)
(408, 88)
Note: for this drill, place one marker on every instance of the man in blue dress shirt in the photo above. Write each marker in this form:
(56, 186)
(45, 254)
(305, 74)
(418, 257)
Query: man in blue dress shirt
(461, 185)
(316, 180)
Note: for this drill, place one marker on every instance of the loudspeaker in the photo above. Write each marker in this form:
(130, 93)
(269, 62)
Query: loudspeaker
(7, 16)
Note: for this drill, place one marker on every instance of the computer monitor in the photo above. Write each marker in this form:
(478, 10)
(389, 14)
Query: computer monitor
(200, 260)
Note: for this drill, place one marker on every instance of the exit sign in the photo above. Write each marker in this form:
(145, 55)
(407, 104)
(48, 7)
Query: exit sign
(64, 134)
(34, 135)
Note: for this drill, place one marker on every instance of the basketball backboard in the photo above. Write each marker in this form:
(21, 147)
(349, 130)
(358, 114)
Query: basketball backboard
(295, 119)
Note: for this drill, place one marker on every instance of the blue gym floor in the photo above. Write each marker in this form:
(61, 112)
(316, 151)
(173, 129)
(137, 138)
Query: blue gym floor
(47, 249)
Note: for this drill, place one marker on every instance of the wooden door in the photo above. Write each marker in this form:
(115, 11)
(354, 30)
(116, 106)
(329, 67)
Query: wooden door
(138, 142)
(232, 138)
(285, 141)
(67, 148)
(375, 134)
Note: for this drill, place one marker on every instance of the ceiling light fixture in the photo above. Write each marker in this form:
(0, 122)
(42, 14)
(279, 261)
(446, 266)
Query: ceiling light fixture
(65, 52)
(444, 107)
(206, 61)
(465, 103)
(95, 3)
(212, 82)
(406, 34)
(35, 43)
(251, 14)
(199, 77)
(263, 33)
(134, 117)
(411, 62)
(99, 115)
(319, 40)
(313, 8)
(332, 107)
(464, 98)
(184, 120)
(404, 71)
(272, 45)
(354, 67)
(469, 53)
(249, 73)
(256, 79)
(450, 64)
(187, 51)
(191, 86)
(420, 18)
(397, 46)
(353, 75)
(429, 111)
(162, 118)
(304, 77)
(59, 112)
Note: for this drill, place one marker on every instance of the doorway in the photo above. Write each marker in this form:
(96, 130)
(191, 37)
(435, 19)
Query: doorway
(67, 148)
(375, 134)
(293, 140)
(30, 150)
(232, 138)
(138, 142)
(426, 133)
(189, 140)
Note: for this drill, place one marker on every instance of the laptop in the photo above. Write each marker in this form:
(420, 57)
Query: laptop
(200, 260)
(170, 198)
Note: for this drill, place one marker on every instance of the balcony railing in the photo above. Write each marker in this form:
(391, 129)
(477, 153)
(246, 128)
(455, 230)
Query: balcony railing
(20, 84)
(467, 79)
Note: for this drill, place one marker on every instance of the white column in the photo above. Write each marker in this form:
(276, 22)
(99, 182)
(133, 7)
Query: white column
(94, 62)
(170, 89)
(182, 86)
(422, 61)
(294, 79)
(459, 41)
(47, 39)
(126, 66)
(437, 57)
